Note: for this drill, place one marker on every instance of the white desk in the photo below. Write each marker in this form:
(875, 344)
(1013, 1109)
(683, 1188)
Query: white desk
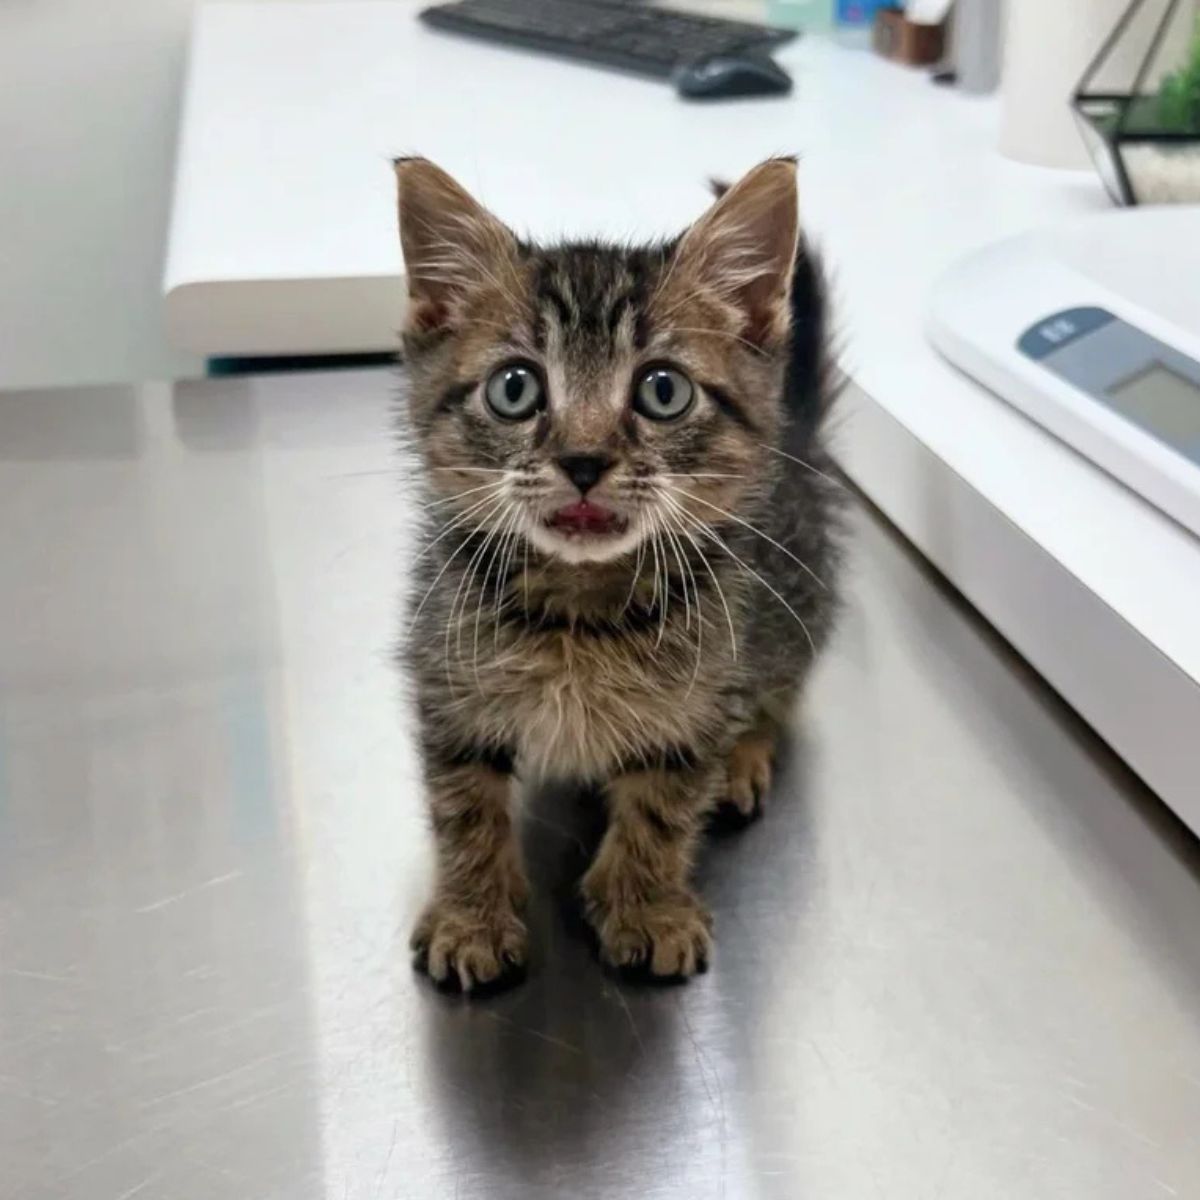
(283, 240)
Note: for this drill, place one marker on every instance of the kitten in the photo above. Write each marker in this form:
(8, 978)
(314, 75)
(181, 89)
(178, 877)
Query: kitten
(627, 558)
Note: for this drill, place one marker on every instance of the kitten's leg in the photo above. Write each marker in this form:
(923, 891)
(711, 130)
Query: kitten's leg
(636, 891)
(471, 932)
(752, 759)
(751, 762)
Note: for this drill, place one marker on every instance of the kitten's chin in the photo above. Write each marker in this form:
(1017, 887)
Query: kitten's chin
(582, 547)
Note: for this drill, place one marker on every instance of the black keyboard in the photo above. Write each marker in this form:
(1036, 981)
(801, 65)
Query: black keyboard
(616, 33)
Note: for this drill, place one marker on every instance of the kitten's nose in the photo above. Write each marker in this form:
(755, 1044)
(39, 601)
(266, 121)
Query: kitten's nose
(584, 470)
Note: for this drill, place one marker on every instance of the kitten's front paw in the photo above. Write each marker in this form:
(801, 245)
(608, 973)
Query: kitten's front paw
(669, 938)
(750, 769)
(463, 947)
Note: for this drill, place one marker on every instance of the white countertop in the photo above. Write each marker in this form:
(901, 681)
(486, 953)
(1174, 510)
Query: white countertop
(294, 111)
(283, 240)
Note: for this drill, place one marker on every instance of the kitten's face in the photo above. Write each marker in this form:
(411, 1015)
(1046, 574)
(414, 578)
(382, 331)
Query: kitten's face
(592, 398)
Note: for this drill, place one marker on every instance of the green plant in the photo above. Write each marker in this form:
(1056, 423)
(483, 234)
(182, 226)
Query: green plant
(1179, 93)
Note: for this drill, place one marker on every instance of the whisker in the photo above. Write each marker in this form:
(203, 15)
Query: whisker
(710, 533)
(456, 523)
(712, 575)
(801, 463)
(493, 561)
(637, 566)
(486, 550)
(497, 562)
(698, 475)
(450, 618)
(687, 604)
(686, 568)
(649, 539)
(494, 485)
(502, 575)
(759, 533)
(465, 583)
(666, 584)
(457, 550)
(474, 470)
(525, 576)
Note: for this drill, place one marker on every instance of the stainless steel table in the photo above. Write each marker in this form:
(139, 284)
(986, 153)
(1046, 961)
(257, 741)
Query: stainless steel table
(960, 957)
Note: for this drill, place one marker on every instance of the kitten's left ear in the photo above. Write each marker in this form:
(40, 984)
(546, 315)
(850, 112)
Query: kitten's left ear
(452, 245)
(745, 246)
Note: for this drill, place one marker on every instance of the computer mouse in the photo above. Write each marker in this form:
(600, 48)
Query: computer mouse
(725, 76)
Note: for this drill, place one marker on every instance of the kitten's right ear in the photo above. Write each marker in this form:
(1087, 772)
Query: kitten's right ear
(451, 244)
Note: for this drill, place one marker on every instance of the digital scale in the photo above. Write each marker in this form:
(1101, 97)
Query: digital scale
(1093, 331)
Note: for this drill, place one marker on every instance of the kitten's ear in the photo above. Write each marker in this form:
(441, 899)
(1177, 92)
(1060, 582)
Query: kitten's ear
(744, 248)
(451, 244)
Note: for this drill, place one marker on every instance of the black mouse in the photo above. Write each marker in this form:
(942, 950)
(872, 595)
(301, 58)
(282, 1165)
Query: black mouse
(724, 76)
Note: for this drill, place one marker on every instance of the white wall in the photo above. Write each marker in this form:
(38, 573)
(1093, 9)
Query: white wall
(89, 94)
(88, 105)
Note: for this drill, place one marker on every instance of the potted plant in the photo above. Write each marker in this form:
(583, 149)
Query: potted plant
(1179, 93)
(1138, 104)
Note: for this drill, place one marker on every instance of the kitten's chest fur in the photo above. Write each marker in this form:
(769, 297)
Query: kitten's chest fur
(579, 685)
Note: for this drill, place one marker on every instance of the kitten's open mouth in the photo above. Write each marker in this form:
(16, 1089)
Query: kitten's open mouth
(583, 518)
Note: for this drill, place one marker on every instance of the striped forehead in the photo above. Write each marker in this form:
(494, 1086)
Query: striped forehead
(590, 307)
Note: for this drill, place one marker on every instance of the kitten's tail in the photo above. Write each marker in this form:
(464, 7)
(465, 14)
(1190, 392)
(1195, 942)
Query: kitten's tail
(809, 389)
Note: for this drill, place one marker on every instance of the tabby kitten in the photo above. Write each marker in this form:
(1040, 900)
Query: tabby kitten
(627, 556)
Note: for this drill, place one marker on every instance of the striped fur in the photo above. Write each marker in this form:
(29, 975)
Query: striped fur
(664, 666)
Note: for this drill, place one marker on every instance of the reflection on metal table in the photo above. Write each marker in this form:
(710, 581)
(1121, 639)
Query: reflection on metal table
(958, 957)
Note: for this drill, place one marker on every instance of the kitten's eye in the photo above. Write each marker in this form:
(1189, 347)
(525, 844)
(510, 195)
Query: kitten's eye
(514, 392)
(663, 394)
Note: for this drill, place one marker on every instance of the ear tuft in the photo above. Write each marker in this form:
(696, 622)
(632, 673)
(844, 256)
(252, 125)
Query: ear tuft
(452, 245)
(744, 248)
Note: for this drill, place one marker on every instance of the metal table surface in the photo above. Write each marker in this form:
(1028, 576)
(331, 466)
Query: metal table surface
(960, 957)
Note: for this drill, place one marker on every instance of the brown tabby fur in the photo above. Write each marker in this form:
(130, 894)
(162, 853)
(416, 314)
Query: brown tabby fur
(663, 672)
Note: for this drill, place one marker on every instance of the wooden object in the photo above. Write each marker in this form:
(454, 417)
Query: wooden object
(905, 41)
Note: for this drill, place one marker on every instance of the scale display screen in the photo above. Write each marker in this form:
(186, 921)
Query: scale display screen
(1162, 401)
(1152, 385)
